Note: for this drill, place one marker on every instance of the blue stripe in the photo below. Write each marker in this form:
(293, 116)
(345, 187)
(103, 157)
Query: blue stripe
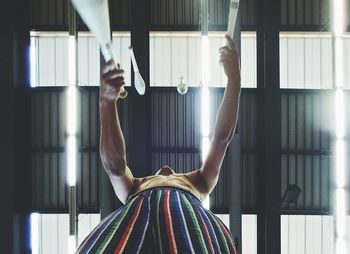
(184, 235)
(135, 244)
(209, 227)
(100, 231)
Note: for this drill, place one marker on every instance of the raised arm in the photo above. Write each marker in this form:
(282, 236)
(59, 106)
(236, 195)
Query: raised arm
(112, 144)
(226, 118)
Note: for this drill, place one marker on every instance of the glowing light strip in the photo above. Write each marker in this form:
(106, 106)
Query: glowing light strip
(205, 105)
(340, 151)
(33, 62)
(339, 114)
(72, 94)
(34, 233)
(72, 159)
(205, 109)
(340, 163)
(72, 114)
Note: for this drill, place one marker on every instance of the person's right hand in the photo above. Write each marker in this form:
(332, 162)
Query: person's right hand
(112, 81)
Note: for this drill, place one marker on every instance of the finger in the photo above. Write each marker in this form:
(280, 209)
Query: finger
(114, 78)
(225, 50)
(115, 81)
(225, 59)
(113, 72)
(230, 42)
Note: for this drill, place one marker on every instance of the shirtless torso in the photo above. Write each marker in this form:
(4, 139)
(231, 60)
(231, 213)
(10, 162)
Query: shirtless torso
(188, 181)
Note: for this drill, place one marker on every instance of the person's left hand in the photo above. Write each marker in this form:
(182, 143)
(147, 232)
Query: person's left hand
(230, 60)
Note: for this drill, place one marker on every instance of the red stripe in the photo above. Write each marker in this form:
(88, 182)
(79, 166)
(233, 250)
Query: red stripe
(227, 235)
(207, 234)
(128, 227)
(167, 221)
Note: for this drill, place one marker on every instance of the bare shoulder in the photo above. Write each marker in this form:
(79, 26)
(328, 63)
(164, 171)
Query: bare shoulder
(136, 184)
(198, 182)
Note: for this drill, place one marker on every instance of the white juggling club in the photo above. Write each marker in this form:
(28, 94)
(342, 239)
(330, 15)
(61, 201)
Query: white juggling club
(139, 82)
(95, 14)
(232, 17)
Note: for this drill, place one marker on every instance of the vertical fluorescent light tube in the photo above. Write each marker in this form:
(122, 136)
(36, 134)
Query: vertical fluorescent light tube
(34, 233)
(340, 163)
(339, 114)
(205, 107)
(340, 151)
(71, 159)
(33, 62)
(72, 110)
(72, 93)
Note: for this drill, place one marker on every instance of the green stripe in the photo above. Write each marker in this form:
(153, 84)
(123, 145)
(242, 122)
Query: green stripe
(158, 201)
(223, 238)
(211, 226)
(114, 229)
(194, 219)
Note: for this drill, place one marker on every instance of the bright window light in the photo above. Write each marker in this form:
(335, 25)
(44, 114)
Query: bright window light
(71, 159)
(71, 60)
(71, 244)
(34, 232)
(33, 67)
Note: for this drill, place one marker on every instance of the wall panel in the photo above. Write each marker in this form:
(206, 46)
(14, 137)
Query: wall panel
(306, 60)
(53, 14)
(175, 120)
(49, 13)
(307, 145)
(174, 55)
(184, 13)
(305, 14)
(307, 234)
(51, 58)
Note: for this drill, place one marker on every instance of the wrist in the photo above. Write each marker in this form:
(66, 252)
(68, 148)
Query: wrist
(106, 102)
(234, 78)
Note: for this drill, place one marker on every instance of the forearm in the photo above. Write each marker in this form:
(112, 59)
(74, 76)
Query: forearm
(112, 144)
(226, 118)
